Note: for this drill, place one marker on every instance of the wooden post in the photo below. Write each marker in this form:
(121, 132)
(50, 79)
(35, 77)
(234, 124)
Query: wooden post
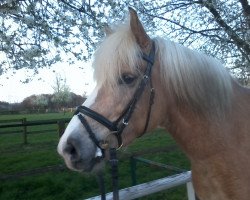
(133, 170)
(190, 191)
(61, 127)
(24, 131)
(151, 187)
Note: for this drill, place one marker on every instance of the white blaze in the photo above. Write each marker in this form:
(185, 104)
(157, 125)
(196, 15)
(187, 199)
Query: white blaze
(75, 125)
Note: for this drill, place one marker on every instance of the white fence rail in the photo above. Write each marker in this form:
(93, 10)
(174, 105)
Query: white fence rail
(154, 186)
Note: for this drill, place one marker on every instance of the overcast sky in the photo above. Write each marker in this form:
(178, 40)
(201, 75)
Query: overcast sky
(79, 81)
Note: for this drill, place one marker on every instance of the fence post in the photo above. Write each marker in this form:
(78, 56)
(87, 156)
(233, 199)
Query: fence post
(190, 191)
(24, 131)
(61, 127)
(133, 170)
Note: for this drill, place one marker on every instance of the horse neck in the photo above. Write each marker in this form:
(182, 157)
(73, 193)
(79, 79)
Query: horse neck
(201, 137)
(192, 133)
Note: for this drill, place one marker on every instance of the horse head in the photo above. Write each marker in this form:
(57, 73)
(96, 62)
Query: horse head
(120, 107)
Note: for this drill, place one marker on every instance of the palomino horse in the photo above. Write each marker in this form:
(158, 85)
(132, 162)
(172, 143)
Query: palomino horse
(145, 83)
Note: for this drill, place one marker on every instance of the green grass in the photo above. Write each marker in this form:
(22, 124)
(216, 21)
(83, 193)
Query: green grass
(9, 140)
(42, 116)
(41, 151)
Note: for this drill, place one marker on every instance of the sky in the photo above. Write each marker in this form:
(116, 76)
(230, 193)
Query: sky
(79, 80)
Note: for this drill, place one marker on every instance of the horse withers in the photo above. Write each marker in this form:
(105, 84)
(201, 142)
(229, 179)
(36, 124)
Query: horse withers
(144, 83)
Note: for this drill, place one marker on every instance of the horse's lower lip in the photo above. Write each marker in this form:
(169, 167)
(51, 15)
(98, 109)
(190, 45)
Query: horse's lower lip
(83, 167)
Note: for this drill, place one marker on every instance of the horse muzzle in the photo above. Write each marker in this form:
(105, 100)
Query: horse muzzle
(81, 155)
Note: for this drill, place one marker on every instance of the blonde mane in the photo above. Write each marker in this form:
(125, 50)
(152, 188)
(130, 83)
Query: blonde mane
(116, 51)
(193, 78)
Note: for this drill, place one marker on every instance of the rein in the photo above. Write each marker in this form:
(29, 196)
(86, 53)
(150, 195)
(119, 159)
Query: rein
(116, 127)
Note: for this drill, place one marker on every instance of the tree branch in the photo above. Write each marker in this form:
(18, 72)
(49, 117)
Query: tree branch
(82, 10)
(246, 10)
(201, 32)
(241, 44)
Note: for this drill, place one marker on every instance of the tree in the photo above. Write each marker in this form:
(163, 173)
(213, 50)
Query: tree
(48, 101)
(220, 28)
(76, 100)
(33, 102)
(41, 101)
(27, 103)
(62, 94)
(35, 34)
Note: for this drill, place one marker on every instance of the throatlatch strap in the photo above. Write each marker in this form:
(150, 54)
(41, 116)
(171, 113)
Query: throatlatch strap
(100, 180)
(114, 171)
(151, 102)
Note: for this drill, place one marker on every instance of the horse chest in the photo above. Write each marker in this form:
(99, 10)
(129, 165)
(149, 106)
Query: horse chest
(213, 180)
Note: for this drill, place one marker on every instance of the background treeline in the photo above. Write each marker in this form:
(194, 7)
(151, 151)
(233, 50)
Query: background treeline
(43, 103)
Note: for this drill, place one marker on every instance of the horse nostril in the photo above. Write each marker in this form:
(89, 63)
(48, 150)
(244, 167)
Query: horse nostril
(72, 149)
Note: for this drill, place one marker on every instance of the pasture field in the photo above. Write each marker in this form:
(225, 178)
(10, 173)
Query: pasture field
(20, 160)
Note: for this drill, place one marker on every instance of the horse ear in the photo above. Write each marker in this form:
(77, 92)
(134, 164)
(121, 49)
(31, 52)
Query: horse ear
(137, 29)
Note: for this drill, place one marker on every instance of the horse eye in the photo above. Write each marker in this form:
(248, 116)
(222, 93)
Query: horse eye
(127, 79)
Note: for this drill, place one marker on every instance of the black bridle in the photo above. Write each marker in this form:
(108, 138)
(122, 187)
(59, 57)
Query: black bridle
(116, 127)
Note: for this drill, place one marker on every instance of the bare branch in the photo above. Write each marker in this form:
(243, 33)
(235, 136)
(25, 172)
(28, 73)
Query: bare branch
(231, 33)
(192, 31)
(246, 10)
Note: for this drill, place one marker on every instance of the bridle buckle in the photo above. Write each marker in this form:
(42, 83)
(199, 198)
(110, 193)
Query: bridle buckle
(124, 122)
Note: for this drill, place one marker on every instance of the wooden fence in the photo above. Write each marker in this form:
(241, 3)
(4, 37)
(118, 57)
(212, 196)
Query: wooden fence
(23, 123)
(141, 190)
(151, 187)
(126, 193)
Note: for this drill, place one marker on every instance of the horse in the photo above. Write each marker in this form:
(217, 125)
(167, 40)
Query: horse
(143, 83)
